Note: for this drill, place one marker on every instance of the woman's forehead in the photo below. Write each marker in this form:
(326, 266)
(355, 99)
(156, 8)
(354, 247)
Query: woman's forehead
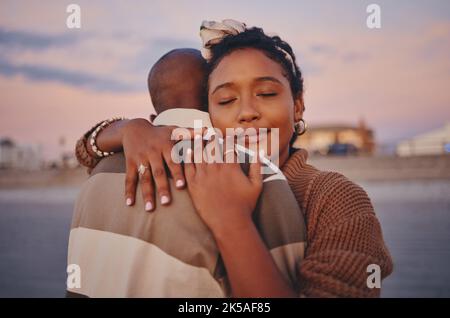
(245, 65)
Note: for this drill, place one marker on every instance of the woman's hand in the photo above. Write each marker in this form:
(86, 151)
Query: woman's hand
(225, 199)
(222, 194)
(151, 146)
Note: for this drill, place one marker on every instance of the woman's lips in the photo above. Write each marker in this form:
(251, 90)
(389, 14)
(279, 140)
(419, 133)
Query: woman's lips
(253, 136)
(253, 132)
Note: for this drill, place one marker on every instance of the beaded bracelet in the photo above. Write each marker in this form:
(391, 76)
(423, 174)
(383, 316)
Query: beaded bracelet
(98, 129)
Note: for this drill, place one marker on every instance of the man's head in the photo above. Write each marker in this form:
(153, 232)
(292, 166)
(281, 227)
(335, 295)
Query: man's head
(176, 80)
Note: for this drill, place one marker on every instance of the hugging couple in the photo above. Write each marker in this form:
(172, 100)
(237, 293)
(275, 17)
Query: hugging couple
(146, 226)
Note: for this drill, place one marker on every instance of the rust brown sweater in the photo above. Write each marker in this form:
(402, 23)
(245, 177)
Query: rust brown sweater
(343, 232)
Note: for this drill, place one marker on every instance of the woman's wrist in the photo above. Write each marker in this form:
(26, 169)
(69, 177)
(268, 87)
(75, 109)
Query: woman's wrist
(121, 129)
(130, 124)
(99, 152)
(107, 139)
(232, 228)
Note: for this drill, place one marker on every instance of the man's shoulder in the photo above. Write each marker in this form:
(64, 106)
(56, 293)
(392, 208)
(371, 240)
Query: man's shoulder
(114, 164)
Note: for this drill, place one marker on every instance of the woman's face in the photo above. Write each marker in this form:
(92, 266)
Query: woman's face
(248, 90)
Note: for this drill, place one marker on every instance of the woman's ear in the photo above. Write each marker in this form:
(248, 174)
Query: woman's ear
(299, 107)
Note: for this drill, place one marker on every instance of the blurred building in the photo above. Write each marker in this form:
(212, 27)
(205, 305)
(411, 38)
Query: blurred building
(337, 139)
(435, 142)
(13, 156)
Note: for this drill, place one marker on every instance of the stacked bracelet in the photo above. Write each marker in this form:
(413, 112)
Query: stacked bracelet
(98, 129)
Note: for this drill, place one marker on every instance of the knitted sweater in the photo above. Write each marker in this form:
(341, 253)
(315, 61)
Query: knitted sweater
(343, 232)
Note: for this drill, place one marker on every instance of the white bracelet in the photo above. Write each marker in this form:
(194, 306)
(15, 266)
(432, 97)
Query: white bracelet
(98, 129)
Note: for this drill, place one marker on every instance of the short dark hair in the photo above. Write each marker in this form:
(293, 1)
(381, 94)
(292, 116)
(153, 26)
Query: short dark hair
(176, 79)
(272, 46)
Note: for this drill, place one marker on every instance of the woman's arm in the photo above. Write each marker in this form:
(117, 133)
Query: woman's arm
(225, 199)
(110, 138)
(250, 267)
(344, 239)
(142, 143)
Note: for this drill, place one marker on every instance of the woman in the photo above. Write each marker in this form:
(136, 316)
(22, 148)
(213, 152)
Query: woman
(254, 82)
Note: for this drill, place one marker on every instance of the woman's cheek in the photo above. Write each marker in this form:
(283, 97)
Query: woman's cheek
(285, 124)
(219, 119)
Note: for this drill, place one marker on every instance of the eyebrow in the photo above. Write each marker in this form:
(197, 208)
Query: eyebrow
(268, 78)
(228, 84)
(258, 79)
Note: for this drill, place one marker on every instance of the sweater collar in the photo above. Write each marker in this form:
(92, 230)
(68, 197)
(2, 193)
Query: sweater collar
(297, 157)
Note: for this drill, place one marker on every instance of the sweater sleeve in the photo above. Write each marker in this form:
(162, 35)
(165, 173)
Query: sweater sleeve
(344, 238)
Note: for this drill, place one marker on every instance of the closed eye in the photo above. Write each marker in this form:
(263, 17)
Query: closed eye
(267, 94)
(228, 101)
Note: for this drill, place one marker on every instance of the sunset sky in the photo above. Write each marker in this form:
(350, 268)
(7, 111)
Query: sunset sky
(56, 81)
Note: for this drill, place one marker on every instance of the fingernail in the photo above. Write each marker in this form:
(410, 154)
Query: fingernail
(148, 206)
(164, 199)
(189, 151)
(197, 137)
(179, 183)
(129, 201)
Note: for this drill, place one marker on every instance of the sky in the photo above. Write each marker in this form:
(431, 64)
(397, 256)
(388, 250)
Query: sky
(58, 82)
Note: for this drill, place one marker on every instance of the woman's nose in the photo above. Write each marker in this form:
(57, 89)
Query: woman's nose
(248, 112)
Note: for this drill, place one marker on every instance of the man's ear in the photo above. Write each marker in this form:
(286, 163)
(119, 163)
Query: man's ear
(299, 107)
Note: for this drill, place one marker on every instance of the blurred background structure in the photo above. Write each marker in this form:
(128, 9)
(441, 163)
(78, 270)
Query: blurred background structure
(338, 140)
(434, 142)
(24, 157)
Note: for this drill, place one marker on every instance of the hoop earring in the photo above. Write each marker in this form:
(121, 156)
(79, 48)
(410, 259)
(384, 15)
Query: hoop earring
(300, 127)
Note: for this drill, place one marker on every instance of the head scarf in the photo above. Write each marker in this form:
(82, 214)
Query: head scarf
(213, 32)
